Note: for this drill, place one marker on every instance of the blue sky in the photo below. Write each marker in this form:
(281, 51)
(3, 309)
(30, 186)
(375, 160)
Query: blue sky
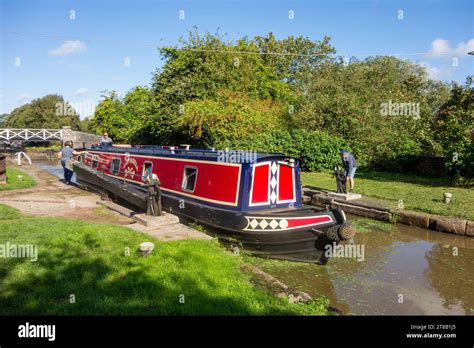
(79, 57)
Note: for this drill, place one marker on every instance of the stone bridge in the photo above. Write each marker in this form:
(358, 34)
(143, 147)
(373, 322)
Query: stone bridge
(78, 139)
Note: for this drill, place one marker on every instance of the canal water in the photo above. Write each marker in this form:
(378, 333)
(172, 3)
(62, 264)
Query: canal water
(405, 270)
(53, 166)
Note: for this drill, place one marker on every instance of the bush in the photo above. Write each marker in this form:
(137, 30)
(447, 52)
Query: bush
(317, 149)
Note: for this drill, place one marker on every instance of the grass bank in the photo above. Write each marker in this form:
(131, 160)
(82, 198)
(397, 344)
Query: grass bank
(85, 269)
(8, 213)
(13, 182)
(424, 194)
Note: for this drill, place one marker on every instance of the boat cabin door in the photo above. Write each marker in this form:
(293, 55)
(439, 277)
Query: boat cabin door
(273, 184)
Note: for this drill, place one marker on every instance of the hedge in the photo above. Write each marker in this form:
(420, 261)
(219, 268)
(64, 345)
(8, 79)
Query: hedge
(317, 149)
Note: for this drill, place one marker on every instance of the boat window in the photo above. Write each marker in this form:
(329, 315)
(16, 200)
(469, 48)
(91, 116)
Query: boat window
(115, 166)
(95, 162)
(147, 169)
(189, 179)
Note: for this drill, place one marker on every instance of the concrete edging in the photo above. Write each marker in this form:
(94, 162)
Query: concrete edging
(284, 290)
(439, 223)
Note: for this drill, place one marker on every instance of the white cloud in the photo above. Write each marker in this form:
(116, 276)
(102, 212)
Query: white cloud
(438, 73)
(24, 98)
(441, 48)
(463, 48)
(81, 92)
(69, 47)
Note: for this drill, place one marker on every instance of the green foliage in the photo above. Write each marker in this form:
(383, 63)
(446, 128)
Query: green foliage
(123, 118)
(52, 146)
(207, 67)
(3, 118)
(85, 125)
(198, 71)
(50, 111)
(347, 100)
(220, 123)
(294, 58)
(317, 149)
(224, 94)
(453, 128)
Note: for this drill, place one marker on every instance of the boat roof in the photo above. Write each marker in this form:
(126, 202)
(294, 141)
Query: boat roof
(236, 156)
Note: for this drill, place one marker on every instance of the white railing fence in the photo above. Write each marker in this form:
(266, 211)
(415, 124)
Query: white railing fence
(9, 134)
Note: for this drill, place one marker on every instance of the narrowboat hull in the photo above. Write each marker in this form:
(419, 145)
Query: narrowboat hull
(297, 234)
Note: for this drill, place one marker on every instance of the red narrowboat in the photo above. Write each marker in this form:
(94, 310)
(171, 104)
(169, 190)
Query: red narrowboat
(250, 200)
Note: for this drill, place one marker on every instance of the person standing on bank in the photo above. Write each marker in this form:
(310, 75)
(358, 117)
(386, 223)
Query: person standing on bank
(105, 140)
(350, 166)
(66, 154)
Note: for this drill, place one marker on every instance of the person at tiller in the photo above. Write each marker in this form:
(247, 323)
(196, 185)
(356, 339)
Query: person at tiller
(106, 140)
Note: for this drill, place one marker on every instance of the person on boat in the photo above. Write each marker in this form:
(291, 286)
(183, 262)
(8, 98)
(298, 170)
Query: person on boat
(66, 154)
(105, 140)
(350, 166)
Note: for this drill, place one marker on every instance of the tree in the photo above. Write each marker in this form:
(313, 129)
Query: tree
(50, 111)
(222, 122)
(214, 92)
(124, 118)
(453, 127)
(3, 118)
(348, 99)
(202, 68)
(294, 58)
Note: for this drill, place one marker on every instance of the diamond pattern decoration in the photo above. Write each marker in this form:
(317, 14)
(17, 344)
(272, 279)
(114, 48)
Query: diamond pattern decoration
(266, 224)
(273, 183)
(273, 197)
(274, 224)
(274, 168)
(253, 223)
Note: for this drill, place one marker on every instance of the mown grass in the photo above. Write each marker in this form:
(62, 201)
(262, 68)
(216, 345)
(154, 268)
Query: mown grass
(9, 213)
(13, 182)
(99, 267)
(424, 194)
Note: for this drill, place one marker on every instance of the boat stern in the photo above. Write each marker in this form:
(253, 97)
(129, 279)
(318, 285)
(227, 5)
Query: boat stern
(297, 235)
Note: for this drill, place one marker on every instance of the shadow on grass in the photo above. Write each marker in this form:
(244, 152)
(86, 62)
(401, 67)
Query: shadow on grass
(48, 285)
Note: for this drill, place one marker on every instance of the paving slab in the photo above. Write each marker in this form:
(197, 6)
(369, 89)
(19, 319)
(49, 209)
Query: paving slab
(345, 196)
(156, 221)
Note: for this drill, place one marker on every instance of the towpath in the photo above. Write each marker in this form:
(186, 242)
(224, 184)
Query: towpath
(51, 197)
